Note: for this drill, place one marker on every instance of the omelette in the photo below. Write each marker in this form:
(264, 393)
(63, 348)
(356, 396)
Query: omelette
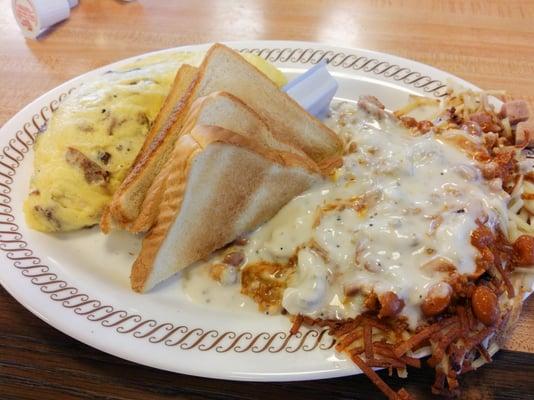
(93, 139)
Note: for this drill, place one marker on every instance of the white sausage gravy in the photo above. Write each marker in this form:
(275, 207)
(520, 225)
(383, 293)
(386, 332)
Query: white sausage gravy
(400, 204)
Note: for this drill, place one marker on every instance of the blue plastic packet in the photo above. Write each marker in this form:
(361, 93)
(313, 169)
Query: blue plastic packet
(313, 90)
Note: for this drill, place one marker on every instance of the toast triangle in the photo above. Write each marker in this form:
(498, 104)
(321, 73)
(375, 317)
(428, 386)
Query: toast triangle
(222, 177)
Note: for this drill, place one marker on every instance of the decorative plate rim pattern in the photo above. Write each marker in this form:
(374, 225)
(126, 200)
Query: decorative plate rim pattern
(352, 62)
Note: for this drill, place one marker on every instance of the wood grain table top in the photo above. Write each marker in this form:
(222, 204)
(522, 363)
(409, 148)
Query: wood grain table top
(489, 43)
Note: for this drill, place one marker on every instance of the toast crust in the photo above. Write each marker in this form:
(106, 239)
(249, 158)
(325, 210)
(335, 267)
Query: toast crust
(153, 198)
(183, 79)
(106, 220)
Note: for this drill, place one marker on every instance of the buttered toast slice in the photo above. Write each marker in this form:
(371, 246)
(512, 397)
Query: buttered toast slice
(219, 109)
(221, 185)
(225, 70)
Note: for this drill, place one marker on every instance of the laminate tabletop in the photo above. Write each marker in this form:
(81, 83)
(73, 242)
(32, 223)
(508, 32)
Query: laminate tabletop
(489, 43)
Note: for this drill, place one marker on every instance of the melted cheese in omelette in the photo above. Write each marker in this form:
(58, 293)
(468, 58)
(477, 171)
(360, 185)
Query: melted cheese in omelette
(398, 204)
(93, 138)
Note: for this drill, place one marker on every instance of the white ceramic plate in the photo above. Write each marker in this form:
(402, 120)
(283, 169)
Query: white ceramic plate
(78, 282)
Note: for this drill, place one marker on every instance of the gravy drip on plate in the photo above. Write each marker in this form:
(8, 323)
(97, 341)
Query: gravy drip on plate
(202, 289)
(401, 207)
